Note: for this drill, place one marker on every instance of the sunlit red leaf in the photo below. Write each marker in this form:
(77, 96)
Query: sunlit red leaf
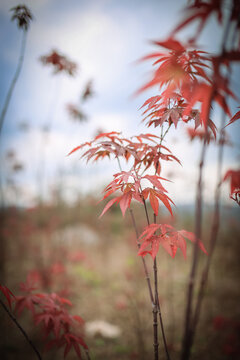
(109, 204)
(234, 176)
(125, 201)
(191, 236)
(234, 118)
(201, 11)
(154, 202)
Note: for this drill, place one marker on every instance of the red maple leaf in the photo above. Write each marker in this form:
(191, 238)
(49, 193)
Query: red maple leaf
(200, 10)
(145, 152)
(234, 176)
(181, 65)
(8, 295)
(234, 118)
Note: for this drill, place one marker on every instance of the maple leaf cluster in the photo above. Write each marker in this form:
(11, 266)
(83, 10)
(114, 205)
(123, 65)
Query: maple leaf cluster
(146, 151)
(60, 329)
(130, 186)
(186, 77)
(59, 62)
(170, 239)
(130, 183)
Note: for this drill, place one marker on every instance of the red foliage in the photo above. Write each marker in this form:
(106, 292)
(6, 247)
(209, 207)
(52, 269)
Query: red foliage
(168, 237)
(147, 151)
(130, 185)
(186, 78)
(60, 329)
(201, 10)
(180, 65)
(234, 118)
(234, 176)
(8, 294)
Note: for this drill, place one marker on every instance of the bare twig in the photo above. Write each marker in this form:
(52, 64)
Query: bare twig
(155, 264)
(156, 300)
(21, 329)
(143, 260)
(87, 355)
(14, 80)
(192, 276)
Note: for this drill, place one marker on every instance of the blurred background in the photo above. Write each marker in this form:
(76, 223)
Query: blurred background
(49, 211)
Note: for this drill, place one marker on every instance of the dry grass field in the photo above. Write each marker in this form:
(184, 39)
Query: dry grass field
(94, 263)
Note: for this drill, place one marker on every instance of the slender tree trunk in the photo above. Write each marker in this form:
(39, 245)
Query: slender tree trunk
(143, 260)
(14, 80)
(155, 266)
(192, 277)
(214, 228)
(155, 301)
(192, 320)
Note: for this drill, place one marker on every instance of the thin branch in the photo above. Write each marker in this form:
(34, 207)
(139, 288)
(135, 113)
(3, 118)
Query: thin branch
(21, 329)
(153, 301)
(213, 239)
(143, 259)
(146, 211)
(158, 303)
(192, 276)
(155, 264)
(14, 80)
(87, 354)
(139, 245)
